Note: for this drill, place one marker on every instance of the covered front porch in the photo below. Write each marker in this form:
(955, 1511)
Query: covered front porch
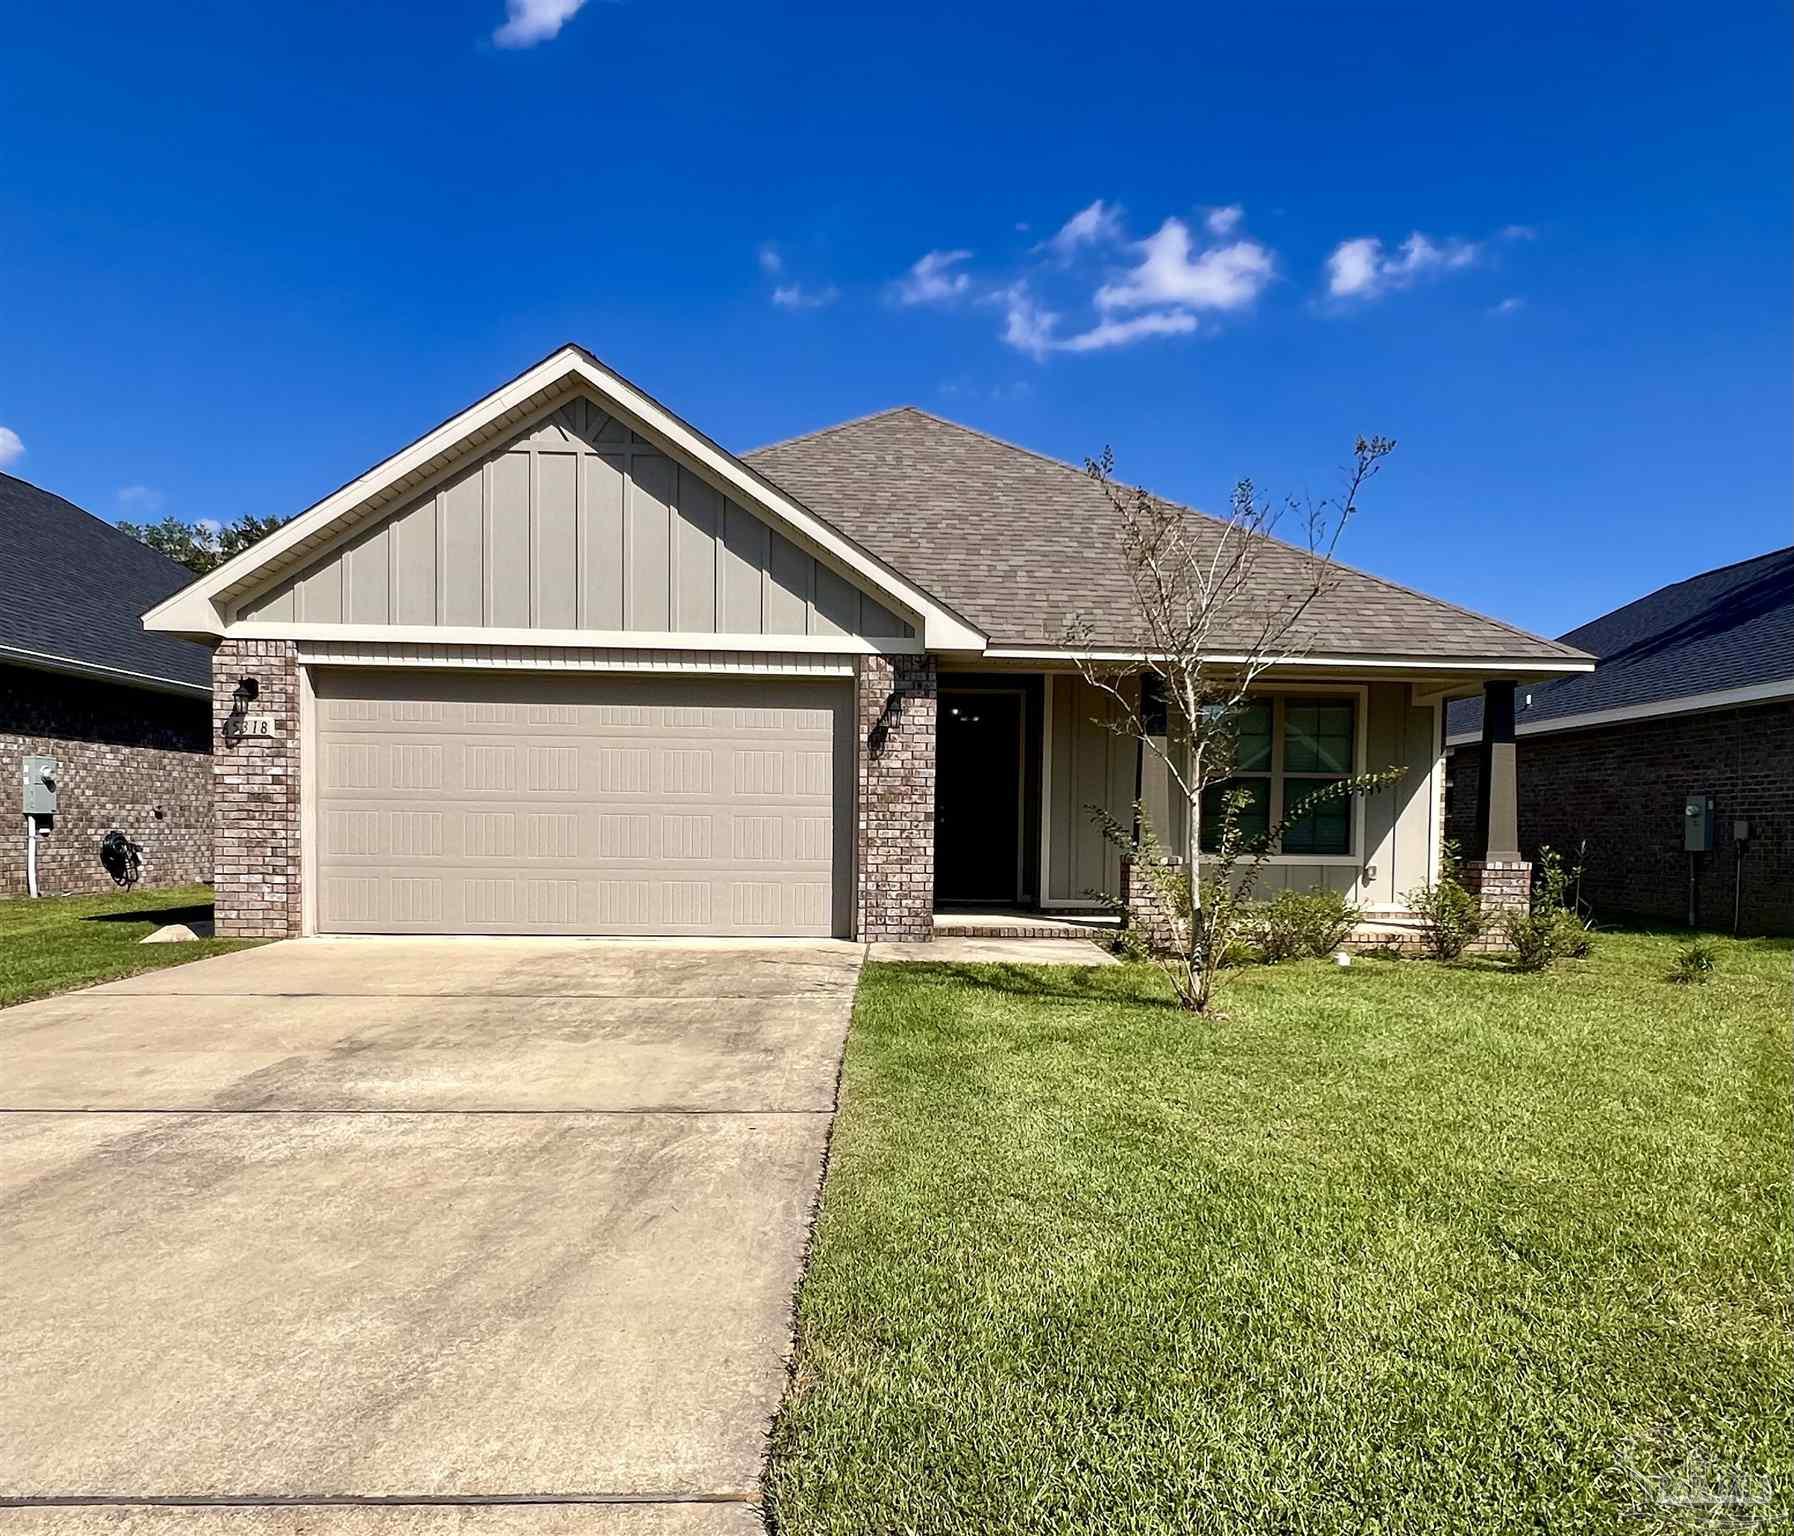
(1026, 755)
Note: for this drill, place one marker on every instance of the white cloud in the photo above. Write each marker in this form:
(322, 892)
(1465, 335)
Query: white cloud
(1519, 232)
(1359, 269)
(1119, 333)
(1508, 306)
(1028, 325)
(1031, 328)
(12, 448)
(1222, 222)
(771, 262)
(1099, 224)
(933, 280)
(528, 22)
(140, 500)
(1172, 272)
(209, 525)
(796, 296)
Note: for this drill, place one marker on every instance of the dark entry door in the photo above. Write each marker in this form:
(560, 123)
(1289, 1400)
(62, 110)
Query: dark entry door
(977, 798)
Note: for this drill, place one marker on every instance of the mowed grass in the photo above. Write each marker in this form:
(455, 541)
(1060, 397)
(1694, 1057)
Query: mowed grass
(1399, 1248)
(60, 942)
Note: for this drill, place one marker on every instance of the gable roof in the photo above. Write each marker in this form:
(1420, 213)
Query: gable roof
(71, 592)
(1725, 636)
(1017, 543)
(205, 607)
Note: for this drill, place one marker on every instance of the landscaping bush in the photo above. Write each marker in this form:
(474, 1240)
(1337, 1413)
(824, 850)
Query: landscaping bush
(1551, 930)
(1451, 917)
(1302, 925)
(1541, 938)
(1695, 963)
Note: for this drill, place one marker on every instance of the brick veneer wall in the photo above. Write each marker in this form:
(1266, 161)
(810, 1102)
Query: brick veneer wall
(256, 794)
(1622, 787)
(895, 715)
(131, 759)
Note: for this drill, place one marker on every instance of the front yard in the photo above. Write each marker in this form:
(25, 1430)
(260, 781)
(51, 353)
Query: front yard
(61, 942)
(1404, 1247)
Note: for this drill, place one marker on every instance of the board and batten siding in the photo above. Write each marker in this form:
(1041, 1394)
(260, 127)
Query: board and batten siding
(1401, 824)
(1087, 764)
(578, 524)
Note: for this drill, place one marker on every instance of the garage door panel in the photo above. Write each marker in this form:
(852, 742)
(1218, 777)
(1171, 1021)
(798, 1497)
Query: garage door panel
(634, 806)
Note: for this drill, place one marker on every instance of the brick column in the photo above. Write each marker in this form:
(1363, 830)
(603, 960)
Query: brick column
(894, 712)
(1145, 910)
(1501, 885)
(255, 792)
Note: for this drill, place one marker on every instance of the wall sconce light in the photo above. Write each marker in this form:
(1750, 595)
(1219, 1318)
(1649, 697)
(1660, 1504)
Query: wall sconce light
(242, 696)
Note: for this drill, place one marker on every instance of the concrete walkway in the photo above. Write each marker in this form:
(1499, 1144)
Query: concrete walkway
(335, 1230)
(970, 951)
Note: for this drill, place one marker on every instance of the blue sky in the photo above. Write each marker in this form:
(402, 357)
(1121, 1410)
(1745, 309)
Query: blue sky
(246, 251)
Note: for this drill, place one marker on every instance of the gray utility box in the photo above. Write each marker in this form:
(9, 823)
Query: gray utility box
(1697, 824)
(41, 774)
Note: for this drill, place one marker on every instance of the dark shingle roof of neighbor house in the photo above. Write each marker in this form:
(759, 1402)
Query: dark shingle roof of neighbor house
(74, 589)
(1724, 629)
(1016, 543)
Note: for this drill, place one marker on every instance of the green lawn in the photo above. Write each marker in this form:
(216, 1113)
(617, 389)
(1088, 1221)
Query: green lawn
(1399, 1248)
(61, 942)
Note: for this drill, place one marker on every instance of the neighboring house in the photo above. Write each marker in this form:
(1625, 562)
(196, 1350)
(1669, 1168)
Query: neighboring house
(564, 665)
(125, 713)
(1693, 696)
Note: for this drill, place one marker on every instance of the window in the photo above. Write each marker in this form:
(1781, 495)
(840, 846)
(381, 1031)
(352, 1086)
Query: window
(1285, 750)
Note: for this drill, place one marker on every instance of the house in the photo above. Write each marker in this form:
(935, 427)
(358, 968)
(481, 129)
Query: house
(126, 714)
(564, 665)
(1693, 698)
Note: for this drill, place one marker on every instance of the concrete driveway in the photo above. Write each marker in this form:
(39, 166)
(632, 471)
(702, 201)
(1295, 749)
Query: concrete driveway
(410, 1235)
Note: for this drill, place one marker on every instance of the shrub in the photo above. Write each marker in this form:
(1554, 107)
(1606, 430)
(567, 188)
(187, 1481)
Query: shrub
(1451, 918)
(1695, 963)
(1302, 925)
(1552, 930)
(1541, 938)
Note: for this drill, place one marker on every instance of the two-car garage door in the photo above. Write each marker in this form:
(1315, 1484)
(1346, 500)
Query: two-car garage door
(523, 803)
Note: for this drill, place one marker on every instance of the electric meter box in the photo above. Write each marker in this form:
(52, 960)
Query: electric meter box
(1697, 824)
(41, 774)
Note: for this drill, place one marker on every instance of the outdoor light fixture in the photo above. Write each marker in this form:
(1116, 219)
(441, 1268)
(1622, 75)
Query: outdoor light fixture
(242, 696)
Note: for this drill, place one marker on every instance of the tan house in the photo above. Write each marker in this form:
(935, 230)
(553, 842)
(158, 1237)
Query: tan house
(565, 665)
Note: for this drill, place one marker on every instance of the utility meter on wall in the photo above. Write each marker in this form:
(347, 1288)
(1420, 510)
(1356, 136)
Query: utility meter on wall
(41, 774)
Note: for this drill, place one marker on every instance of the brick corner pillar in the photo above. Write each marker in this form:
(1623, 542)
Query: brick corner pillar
(1493, 868)
(255, 793)
(894, 717)
(1144, 910)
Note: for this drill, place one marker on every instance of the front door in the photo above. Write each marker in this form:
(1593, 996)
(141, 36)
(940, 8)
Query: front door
(978, 798)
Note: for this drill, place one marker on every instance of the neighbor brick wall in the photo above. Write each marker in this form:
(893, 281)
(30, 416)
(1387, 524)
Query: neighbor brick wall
(895, 715)
(1622, 787)
(256, 794)
(131, 759)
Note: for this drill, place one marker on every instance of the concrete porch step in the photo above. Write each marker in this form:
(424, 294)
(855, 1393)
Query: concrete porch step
(1024, 925)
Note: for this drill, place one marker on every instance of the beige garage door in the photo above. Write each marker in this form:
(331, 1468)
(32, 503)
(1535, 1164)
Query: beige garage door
(481, 803)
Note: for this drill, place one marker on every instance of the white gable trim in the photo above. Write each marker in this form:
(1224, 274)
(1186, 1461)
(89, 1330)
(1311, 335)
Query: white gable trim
(200, 609)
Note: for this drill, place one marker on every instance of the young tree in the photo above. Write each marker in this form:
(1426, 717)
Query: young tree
(1215, 604)
(203, 546)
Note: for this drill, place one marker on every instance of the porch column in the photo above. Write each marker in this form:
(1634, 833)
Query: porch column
(1154, 778)
(1495, 838)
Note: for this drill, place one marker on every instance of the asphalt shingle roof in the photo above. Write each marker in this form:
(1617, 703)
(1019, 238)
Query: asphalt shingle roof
(76, 588)
(1017, 543)
(1729, 628)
